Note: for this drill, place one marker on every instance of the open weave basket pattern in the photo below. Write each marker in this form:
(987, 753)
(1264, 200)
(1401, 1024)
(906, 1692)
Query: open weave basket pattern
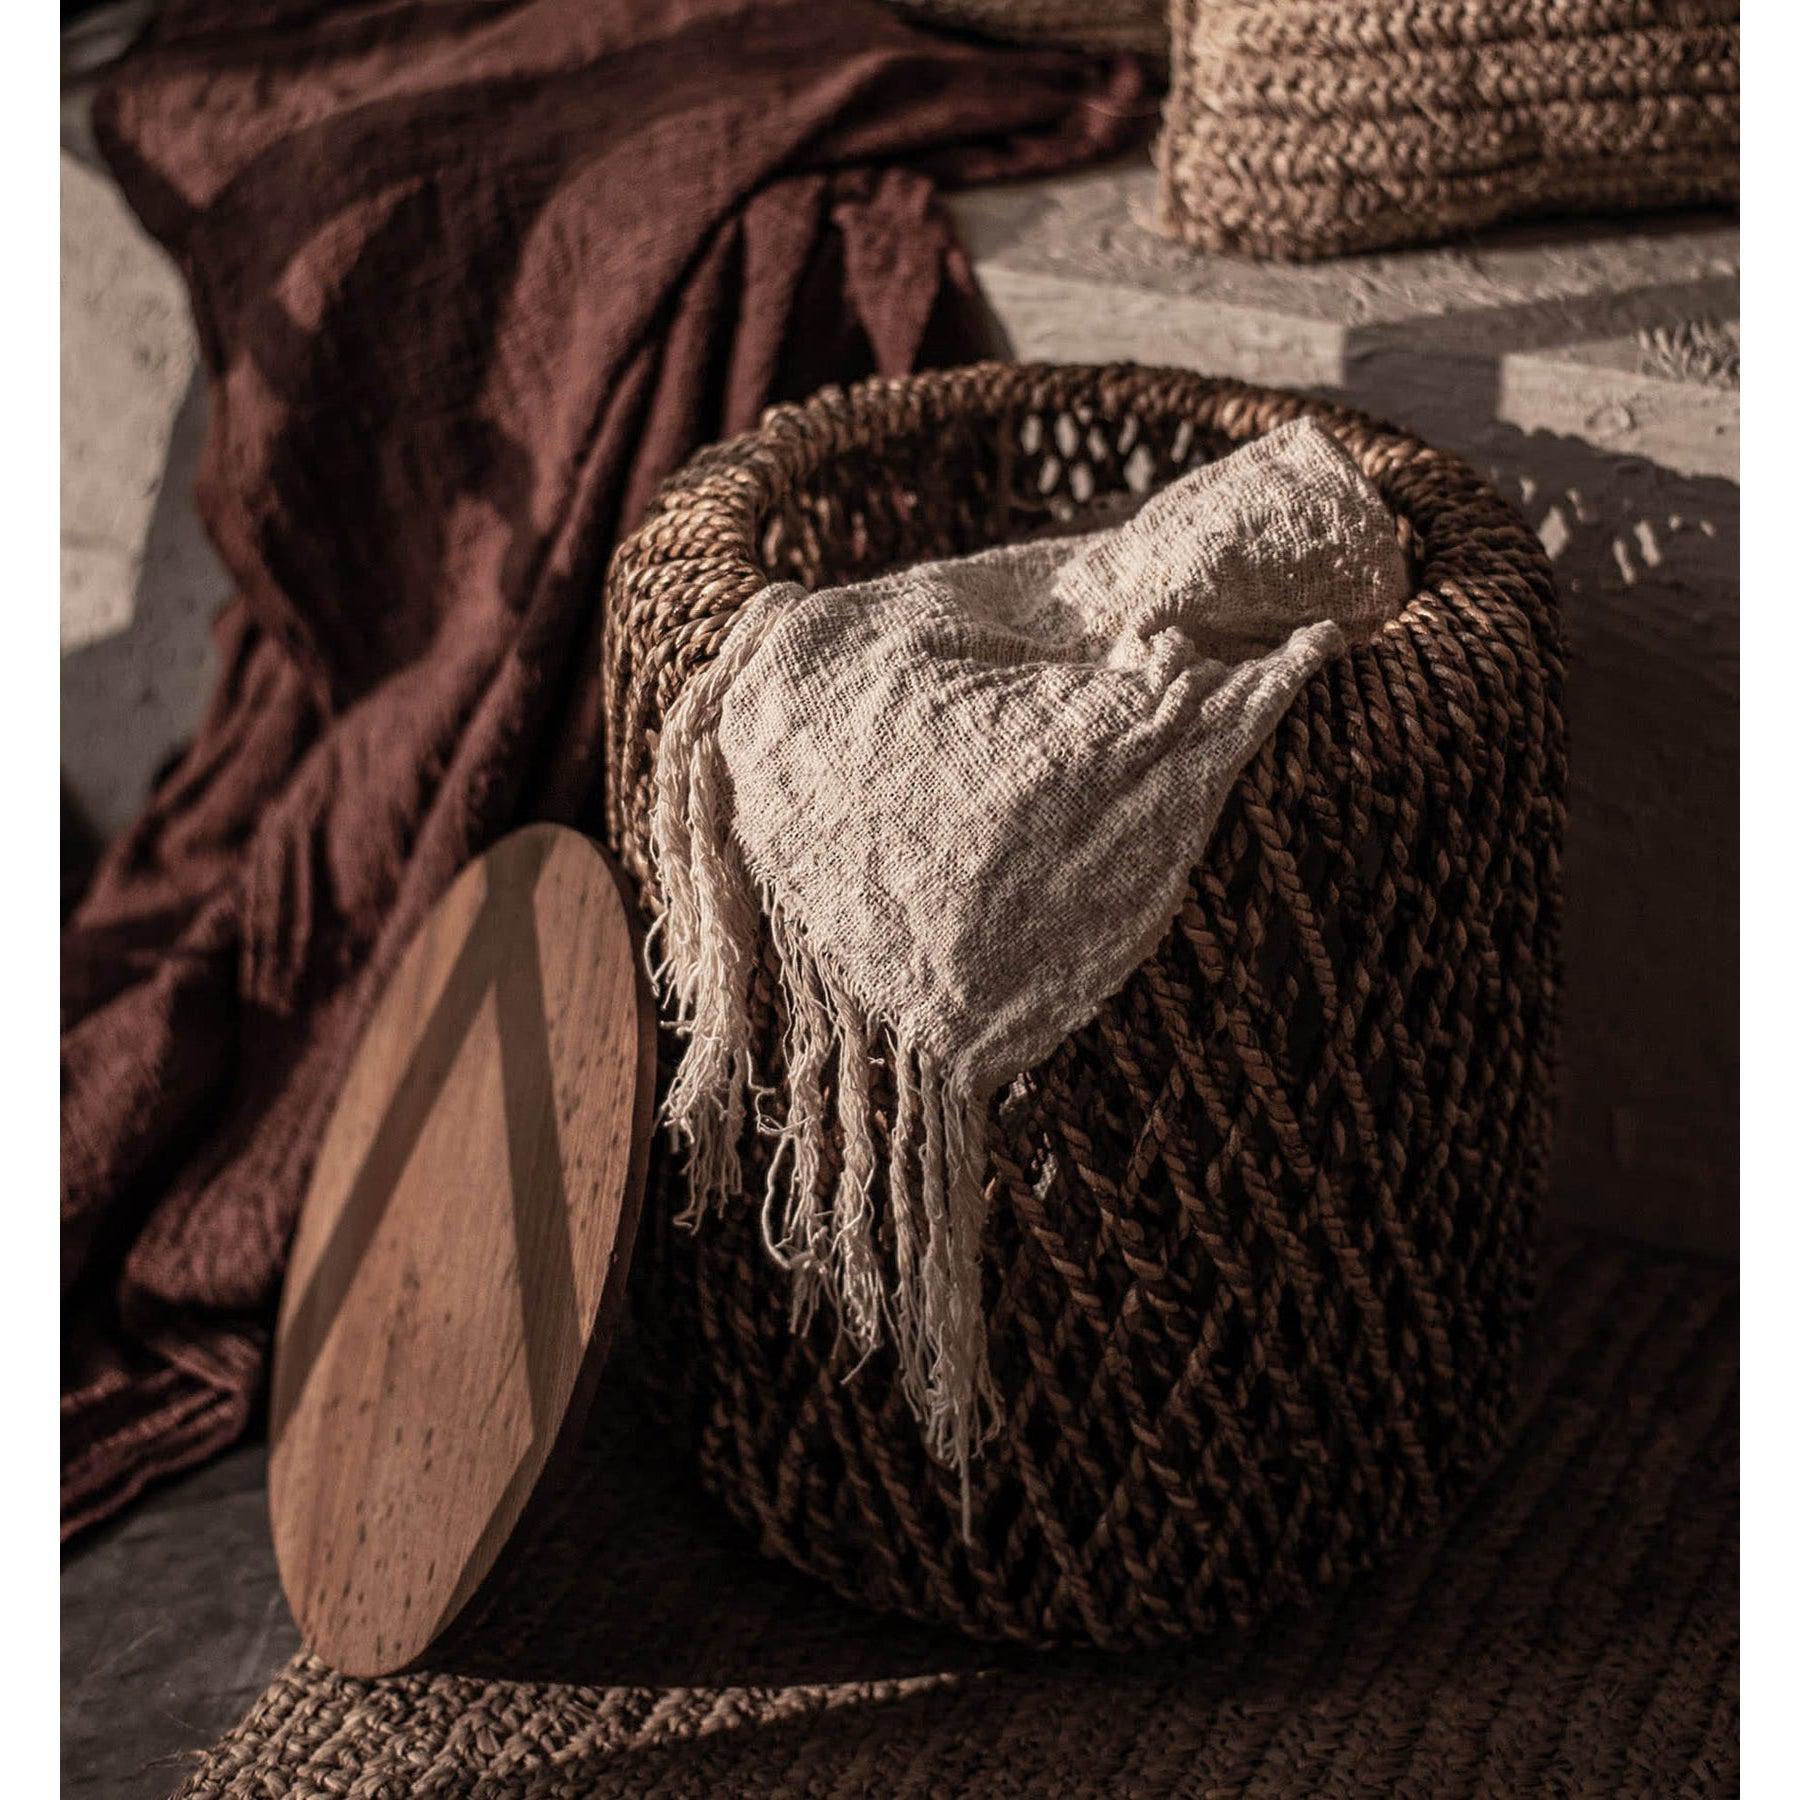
(1262, 1235)
(1301, 128)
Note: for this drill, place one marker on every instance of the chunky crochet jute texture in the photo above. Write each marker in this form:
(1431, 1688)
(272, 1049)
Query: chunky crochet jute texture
(1571, 1629)
(1260, 1244)
(1303, 128)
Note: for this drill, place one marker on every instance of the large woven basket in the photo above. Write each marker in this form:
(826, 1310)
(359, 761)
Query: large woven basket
(1262, 1240)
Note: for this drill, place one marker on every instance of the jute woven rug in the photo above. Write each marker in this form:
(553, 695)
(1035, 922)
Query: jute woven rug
(1572, 1630)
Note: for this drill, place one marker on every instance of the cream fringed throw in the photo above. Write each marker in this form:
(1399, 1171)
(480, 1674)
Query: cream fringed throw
(963, 802)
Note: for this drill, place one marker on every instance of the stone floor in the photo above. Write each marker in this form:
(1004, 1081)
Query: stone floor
(172, 1623)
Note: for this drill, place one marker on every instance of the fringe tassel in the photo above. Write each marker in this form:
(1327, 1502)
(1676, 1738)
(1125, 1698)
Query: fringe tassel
(817, 1223)
(699, 949)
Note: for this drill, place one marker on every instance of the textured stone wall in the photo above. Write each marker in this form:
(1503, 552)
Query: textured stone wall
(140, 583)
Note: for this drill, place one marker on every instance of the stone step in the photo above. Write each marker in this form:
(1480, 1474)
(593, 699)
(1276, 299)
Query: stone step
(1590, 370)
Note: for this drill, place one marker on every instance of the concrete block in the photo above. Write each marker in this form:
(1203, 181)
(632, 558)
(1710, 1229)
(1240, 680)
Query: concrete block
(140, 583)
(1588, 369)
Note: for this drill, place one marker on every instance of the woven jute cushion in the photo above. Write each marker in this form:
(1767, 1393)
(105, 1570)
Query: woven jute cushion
(1570, 1629)
(1261, 1238)
(1140, 26)
(1304, 128)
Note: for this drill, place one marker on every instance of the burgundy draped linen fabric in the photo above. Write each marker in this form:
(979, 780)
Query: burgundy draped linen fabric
(469, 277)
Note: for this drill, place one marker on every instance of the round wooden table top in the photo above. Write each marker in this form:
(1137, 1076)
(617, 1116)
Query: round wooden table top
(461, 1256)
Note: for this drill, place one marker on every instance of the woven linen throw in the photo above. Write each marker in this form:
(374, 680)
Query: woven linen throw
(1137, 25)
(962, 802)
(442, 386)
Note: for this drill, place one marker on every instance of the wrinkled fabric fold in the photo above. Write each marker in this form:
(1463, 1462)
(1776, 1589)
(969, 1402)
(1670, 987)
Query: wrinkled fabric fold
(469, 281)
(960, 804)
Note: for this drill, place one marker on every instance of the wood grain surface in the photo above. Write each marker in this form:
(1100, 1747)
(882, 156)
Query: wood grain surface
(461, 1255)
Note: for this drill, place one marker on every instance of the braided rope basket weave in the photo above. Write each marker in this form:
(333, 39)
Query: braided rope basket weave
(1262, 1239)
(1303, 128)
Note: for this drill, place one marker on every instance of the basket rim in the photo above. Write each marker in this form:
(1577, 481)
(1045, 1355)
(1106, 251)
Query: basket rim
(1482, 580)
(739, 475)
